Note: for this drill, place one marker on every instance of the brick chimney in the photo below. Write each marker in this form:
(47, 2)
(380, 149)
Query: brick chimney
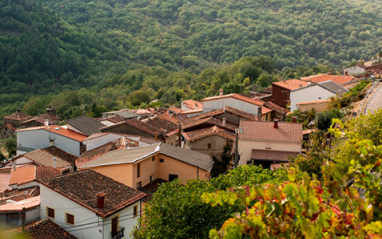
(224, 121)
(101, 200)
(276, 123)
(221, 92)
(294, 119)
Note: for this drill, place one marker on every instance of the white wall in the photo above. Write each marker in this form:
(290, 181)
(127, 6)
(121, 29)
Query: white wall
(353, 70)
(87, 224)
(99, 141)
(210, 105)
(38, 139)
(246, 146)
(309, 93)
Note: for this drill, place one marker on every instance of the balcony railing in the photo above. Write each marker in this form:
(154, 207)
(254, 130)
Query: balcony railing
(119, 234)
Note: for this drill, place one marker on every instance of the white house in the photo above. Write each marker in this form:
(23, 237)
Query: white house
(266, 143)
(315, 91)
(252, 106)
(30, 139)
(90, 205)
(353, 70)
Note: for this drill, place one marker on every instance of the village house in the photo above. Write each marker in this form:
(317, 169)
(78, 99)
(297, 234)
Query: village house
(354, 70)
(137, 167)
(248, 105)
(124, 113)
(50, 118)
(26, 176)
(90, 205)
(315, 91)
(49, 157)
(267, 143)
(281, 91)
(11, 122)
(30, 139)
(191, 105)
(135, 127)
(84, 125)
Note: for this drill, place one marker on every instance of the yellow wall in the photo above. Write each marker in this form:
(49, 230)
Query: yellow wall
(127, 173)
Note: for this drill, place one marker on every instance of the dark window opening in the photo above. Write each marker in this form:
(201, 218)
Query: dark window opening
(69, 218)
(50, 212)
(172, 177)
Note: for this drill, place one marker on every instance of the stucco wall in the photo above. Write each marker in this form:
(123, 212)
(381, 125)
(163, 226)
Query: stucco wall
(246, 146)
(217, 145)
(309, 93)
(318, 107)
(353, 70)
(120, 172)
(99, 141)
(87, 224)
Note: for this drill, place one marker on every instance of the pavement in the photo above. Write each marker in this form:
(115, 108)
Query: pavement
(375, 101)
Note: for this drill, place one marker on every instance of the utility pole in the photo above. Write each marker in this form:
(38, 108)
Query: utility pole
(23, 219)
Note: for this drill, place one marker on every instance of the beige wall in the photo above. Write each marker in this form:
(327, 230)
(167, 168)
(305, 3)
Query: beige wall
(172, 140)
(217, 145)
(319, 107)
(246, 146)
(127, 173)
(183, 170)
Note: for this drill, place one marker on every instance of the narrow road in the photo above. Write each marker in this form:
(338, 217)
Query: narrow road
(375, 102)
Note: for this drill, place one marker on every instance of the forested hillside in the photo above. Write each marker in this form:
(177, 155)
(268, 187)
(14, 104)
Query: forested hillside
(130, 52)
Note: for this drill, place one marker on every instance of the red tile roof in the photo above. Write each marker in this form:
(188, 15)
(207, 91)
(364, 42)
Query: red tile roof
(291, 84)
(29, 173)
(265, 110)
(339, 79)
(47, 229)
(18, 116)
(238, 97)
(214, 130)
(193, 104)
(169, 117)
(313, 102)
(27, 203)
(58, 130)
(227, 109)
(142, 126)
(272, 155)
(276, 107)
(209, 121)
(117, 195)
(265, 131)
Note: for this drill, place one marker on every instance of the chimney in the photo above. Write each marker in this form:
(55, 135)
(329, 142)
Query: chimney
(54, 163)
(294, 119)
(346, 73)
(221, 92)
(224, 121)
(18, 111)
(13, 165)
(101, 200)
(46, 122)
(276, 123)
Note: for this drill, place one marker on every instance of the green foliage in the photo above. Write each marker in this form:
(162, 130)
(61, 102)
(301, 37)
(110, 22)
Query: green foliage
(302, 117)
(356, 93)
(324, 119)
(177, 211)
(10, 145)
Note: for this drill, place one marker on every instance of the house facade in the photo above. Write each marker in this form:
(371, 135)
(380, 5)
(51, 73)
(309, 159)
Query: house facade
(100, 208)
(281, 91)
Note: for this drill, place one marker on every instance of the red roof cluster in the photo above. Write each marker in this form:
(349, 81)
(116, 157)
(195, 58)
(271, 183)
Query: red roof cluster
(291, 84)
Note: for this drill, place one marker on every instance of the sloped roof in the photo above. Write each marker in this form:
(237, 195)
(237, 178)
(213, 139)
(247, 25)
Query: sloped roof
(291, 84)
(29, 173)
(333, 87)
(117, 195)
(272, 155)
(214, 130)
(90, 155)
(313, 102)
(47, 229)
(265, 110)
(9, 126)
(41, 118)
(339, 79)
(17, 116)
(122, 156)
(85, 124)
(5, 175)
(45, 157)
(236, 96)
(133, 155)
(226, 109)
(188, 156)
(28, 203)
(193, 104)
(276, 107)
(142, 126)
(58, 130)
(208, 121)
(265, 131)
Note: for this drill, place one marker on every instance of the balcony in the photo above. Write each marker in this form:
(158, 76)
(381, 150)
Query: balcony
(119, 234)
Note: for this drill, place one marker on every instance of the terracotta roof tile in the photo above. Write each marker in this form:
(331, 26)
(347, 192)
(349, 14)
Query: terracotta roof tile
(265, 110)
(291, 84)
(58, 130)
(339, 79)
(272, 155)
(265, 131)
(209, 121)
(193, 104)
(227, 109)
(45, 157)
(276, 107)
(29, 173)
(27, 203)
(214, 130)
(47, 229)
(117, 195)
(18, 116)
(238, 97)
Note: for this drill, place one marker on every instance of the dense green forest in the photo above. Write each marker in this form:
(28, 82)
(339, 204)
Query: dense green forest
(82, 55)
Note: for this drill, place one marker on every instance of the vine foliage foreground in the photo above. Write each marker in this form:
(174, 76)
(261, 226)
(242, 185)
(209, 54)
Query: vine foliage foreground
(346, 203)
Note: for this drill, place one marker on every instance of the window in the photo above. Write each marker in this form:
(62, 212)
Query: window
(114, 226)
(135, 211)
(161, 160)
(172, 177)
(139, 184)
(208, 146)
(50, 212)
(153, 158)
(138, 170)
(69, 218)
